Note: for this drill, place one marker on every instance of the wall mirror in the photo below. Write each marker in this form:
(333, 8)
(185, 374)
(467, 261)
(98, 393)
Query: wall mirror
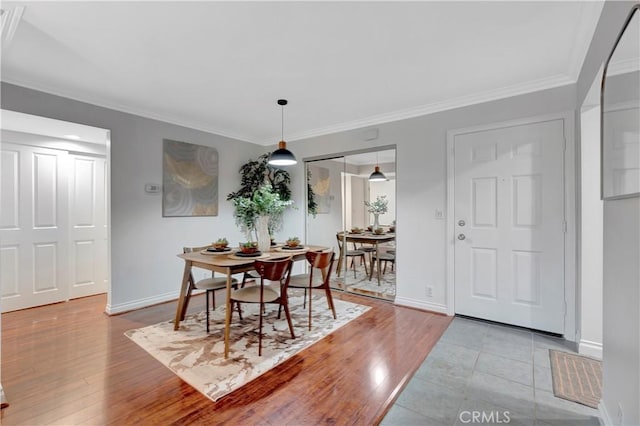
(620, 114)
(340, 186)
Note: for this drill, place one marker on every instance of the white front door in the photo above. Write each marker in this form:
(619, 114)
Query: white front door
(88, 226)
(33, 227)
(509, 225)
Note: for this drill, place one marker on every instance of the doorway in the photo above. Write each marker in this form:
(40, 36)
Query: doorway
(337, 216)
(53, 224)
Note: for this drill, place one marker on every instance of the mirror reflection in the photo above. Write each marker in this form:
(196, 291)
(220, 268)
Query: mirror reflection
(356, 216)
(621, 115)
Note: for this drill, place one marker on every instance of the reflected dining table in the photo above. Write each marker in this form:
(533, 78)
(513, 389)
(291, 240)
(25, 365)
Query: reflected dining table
(227, 264)
(367, 238)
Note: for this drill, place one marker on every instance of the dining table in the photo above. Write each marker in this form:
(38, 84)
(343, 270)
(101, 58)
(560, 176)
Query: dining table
(228, 264)
(371, 238)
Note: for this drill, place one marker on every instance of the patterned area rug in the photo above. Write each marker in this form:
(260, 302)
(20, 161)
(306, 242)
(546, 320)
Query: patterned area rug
(198, 358)
(576, 378)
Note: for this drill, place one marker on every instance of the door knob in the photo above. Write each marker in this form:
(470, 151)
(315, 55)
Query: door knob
(461, 222)
(461, 237)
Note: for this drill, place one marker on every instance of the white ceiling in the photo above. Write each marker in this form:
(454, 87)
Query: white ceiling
(221, 66)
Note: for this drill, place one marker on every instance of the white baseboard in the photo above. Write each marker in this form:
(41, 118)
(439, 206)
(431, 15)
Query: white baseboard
(589, 348)
(605, 420)
(140, 303)
(419, 304)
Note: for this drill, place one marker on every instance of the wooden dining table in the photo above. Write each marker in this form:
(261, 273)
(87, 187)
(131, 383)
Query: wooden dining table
(226, 264)
(368, 238)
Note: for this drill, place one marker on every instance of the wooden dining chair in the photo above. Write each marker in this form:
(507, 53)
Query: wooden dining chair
(271, 270)
(209, 284)
(323, 263)
(350, 254)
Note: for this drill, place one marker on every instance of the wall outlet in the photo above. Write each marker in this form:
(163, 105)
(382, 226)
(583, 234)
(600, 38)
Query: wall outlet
(620, 415)
(429, 291)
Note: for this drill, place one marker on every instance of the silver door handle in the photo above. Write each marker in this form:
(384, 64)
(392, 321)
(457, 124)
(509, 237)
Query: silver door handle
(461, 237)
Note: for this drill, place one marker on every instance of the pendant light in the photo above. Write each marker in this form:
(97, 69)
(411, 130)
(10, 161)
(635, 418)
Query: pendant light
(282, 156)
(377, 175)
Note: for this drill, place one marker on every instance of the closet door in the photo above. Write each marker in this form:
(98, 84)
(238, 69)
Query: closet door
(87, 226)
(33, 227)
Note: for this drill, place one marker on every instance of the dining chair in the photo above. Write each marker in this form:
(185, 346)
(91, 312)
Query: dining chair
(270, 270)
(323, 262)
(209, 284)
(385, 257)
(350, 254)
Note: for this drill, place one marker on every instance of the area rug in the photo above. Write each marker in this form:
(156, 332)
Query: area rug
(576, 378)
(362, 285)
(198, 358)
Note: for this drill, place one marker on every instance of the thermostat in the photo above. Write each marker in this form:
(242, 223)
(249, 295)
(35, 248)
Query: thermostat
(151, 188)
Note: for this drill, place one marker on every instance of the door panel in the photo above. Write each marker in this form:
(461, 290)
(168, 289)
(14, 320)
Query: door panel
(509, 247)
(87, 226)
(33, 232)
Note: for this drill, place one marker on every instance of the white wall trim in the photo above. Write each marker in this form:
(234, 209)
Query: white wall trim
(589, 348)
(570, 210)
(141, 303)
(422, 305)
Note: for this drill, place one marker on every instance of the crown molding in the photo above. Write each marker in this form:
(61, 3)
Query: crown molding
(129, 110)
(459, 102)
(463, 101)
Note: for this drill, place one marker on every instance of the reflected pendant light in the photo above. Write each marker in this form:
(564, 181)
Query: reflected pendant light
(282, 156)
(377, 175)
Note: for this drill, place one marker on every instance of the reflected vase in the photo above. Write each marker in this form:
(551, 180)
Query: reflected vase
(376, 224)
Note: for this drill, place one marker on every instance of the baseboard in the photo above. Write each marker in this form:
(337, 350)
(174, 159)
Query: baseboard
(419, 304)
(592, 349)
(140, 303)
(605, 420)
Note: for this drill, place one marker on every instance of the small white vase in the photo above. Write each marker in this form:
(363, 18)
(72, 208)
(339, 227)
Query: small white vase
(262, 229)
(376, 224)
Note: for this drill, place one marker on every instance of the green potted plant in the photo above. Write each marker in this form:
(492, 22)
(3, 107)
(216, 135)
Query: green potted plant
(293, 242)
(377, 207)
(220, 244)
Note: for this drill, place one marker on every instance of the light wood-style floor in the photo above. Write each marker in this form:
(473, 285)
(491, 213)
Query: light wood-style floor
(70, 363)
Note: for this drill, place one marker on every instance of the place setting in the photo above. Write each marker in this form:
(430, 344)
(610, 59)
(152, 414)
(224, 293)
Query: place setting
(248, 250)
(292, 245)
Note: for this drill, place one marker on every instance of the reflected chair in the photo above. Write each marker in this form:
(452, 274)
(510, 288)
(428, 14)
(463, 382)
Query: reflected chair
(276, 271)
(323, 262)
(209, 284)
(352, 254)
(385, 257)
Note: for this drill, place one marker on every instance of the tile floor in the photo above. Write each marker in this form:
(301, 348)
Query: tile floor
(481, 367)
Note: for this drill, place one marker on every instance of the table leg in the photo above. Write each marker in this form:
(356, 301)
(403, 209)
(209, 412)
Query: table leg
(183, 298)
(227, 323)
(378, 262)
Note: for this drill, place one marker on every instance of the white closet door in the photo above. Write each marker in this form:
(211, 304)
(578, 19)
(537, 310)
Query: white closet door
(33, 227)
(88, 226)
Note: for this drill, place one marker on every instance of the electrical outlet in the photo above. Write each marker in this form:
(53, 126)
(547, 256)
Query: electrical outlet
(429, 291)
(620, 415)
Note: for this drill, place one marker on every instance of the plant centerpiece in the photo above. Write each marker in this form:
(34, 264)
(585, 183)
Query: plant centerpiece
(220, 244)
(260, 213)
(293, 242)
(377, 207)
(249, 247)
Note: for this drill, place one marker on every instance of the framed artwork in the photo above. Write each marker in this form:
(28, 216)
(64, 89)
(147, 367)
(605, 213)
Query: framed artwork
(321, 185)
(189, 179)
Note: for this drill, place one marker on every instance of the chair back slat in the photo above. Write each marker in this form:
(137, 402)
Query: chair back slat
(274, 270)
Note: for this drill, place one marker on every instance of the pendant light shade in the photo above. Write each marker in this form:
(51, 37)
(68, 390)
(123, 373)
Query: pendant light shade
(377, 175)
(282, 156)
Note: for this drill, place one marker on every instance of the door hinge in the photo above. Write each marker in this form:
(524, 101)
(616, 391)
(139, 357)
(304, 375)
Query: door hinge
(564, 144)
(565, 309)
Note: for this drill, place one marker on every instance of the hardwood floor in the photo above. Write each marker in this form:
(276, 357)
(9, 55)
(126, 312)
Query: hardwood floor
(70, 363)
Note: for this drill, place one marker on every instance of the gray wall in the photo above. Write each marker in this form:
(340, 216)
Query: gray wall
(144, 266)
(621, 299)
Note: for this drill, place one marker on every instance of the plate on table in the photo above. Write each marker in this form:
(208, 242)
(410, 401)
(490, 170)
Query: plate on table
(286, 248)
(248, 256)
(214, 251)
